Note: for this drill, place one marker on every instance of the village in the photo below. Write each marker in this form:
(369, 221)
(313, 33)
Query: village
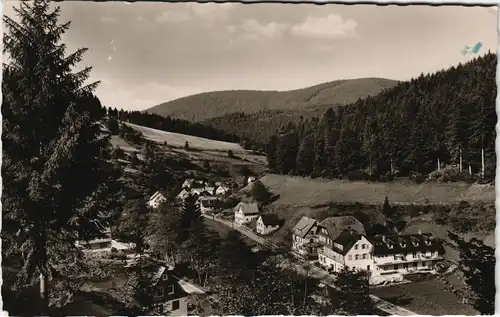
(328, 246)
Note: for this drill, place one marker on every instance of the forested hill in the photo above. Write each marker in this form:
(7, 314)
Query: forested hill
(214, 104)
(414, 124)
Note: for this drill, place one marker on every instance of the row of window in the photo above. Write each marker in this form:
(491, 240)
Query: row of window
(414, 255)
(363, 246)
(363, 256)
(406, 266)
(160, 292)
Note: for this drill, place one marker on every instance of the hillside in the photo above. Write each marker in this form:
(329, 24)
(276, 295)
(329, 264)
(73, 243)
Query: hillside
(178, 140)
(204, 106)
(413, 125)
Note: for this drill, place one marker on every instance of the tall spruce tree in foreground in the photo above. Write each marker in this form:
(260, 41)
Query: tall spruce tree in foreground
(57, 175)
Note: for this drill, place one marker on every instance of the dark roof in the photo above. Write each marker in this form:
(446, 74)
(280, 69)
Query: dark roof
(408, 243)
(270, 220)
(335, 225)
(346, 239)
(248, 209)
(303, 227)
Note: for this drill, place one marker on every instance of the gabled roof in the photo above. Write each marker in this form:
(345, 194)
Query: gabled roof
(248, 209)
(404, 244)
(157, 195)
(346, 239)
(183, 193)
(270, 220)
(335, 225)
(304, 225)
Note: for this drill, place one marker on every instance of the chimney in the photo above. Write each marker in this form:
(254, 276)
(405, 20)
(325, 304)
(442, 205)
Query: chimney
(419, 232)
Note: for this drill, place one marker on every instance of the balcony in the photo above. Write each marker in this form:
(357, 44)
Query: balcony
(405, 259)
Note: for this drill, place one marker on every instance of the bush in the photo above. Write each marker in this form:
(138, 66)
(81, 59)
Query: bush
(388, 177)
(358, 175)
(112, 125)
(417, 177)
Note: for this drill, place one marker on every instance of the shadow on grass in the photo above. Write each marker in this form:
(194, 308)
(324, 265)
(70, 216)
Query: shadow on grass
(399, 300)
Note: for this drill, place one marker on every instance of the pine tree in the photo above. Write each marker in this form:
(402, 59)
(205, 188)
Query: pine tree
(353, 297)
(133, 224)
(478, 265)
(51, 137)
(286, 152)
(271, 152)
(305, 154)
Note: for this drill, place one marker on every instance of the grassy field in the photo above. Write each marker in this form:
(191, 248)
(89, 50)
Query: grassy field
(178, 140)
(117, 141)
(308, 192)
(425, 298)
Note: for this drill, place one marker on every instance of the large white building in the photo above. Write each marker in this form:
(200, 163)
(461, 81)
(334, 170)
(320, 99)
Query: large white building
(405, 253)
(385, 257)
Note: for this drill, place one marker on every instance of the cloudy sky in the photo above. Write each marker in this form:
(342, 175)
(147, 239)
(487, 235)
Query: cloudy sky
(148, 53)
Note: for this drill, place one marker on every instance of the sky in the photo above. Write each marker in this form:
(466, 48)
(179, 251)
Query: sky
(148, 53)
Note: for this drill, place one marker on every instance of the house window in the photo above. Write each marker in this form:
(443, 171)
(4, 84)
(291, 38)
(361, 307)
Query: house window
(414, 255)
(350, 257)
(356, 257)
(396, 266)
(175, 305)
(364, 256)
(170, 289)
(355, 247)
(415, 264)
(367, 267)
(164, 277)
(159, 292)
(363, 246)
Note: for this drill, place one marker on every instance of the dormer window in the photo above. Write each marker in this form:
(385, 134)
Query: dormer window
(390, 245)
(428, 242)
(403, 245)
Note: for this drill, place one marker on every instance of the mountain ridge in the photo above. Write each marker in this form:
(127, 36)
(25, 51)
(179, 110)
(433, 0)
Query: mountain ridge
(204, 106)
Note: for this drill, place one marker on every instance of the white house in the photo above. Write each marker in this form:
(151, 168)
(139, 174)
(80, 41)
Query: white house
(208, 203)
(102, 243)
(156, 200)
(403, 254)
(304, 236)
(188, 183)
(210, 190)
(183, 194)
(349, 249)
(250, 180)
(245, 213)
(222, 190)
(267, 223)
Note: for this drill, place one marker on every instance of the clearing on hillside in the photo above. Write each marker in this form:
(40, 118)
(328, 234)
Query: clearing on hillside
(178, 140)
(309, 192)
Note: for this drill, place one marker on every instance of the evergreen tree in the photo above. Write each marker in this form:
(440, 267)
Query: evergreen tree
(260, 192)
(477, 262)
(51, 137)
(353, 297)
(305, 154)
(133, 224)
(271, 152)
(287, 148)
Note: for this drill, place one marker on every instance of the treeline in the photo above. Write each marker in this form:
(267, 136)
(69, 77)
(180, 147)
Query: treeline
(402, 131)
(169, 124)
(257, 128)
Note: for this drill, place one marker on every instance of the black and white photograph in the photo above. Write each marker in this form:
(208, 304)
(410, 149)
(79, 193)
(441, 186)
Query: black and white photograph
(228, 158)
